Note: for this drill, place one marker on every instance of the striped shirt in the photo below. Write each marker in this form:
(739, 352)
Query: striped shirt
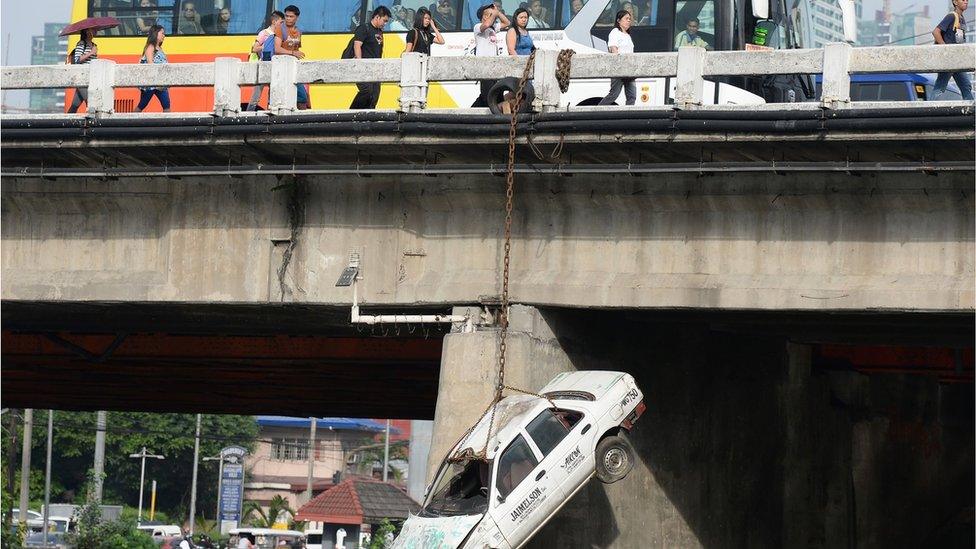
(81, 49)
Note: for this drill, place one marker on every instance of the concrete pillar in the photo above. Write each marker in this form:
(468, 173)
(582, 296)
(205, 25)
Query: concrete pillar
(421, 433)
(227, 87)
(690, 85)
(836, 75)
(547, 93)
(101, 87)
(284, 95)
(413, 82)
(469, 372)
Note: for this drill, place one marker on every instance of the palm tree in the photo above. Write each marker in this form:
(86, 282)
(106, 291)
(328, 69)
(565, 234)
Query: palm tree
(278, 511)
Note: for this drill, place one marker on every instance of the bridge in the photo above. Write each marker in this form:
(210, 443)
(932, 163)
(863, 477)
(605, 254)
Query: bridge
(790, 284)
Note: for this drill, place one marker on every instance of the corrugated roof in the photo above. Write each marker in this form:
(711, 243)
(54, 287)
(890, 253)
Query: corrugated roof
(339, 423)
(359, 501)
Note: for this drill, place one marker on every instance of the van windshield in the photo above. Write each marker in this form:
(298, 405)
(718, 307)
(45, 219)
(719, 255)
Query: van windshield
(461, 488)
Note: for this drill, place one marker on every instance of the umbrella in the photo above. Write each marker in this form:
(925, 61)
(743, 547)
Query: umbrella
(93, 23)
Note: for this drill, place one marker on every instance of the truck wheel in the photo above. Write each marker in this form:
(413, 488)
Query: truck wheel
(614, 458)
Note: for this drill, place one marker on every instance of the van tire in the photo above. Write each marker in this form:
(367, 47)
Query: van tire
(614, 458)
(510, 84)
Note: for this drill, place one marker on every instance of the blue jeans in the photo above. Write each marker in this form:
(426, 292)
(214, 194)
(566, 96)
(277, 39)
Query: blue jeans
(147, 94)
(302, 94)
(962, 80)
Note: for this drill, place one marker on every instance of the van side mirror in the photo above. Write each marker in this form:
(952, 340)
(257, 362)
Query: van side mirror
(501, 498)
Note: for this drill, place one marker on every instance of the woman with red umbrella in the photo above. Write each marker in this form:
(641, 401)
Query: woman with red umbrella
(85, 51)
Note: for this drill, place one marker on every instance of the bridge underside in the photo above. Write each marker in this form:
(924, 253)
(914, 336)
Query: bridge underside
(307, 360)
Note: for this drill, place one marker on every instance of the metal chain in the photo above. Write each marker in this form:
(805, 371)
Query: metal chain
(563, 64)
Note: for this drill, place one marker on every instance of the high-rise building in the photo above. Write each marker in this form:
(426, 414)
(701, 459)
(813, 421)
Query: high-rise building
(826, 22)
(48, 49)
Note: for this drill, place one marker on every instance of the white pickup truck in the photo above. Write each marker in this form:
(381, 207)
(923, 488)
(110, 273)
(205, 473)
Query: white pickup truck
(540, 454)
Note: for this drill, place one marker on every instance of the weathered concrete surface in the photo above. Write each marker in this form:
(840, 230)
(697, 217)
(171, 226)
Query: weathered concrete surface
(806, 241)
(744, 444)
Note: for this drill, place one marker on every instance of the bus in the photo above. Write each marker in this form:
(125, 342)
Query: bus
(202, 30)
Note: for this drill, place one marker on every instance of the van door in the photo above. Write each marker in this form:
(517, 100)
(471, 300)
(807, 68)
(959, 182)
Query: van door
(565, 439)
(524, 492)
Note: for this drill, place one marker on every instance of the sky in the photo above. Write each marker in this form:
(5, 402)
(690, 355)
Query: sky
(16, 26)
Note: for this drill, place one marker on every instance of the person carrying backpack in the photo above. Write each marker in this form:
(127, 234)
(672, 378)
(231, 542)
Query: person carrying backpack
(85, 51)
(367, 43)
(952, 30)
(288, 41)
(260, 51)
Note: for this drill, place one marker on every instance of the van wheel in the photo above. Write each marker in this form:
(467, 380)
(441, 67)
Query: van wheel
(614, 458)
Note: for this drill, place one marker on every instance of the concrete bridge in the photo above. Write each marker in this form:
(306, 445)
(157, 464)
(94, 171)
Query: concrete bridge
(790, 284)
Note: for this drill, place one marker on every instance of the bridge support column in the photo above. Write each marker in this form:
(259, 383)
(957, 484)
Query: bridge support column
(283, 96)
(836, 75)
(469, 372)
(690, 84)
(413, 82)
(227, 87)
(547, 93)
(101, 87)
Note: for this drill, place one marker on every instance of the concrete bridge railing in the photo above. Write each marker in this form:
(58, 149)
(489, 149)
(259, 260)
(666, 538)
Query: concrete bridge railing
(413, 71)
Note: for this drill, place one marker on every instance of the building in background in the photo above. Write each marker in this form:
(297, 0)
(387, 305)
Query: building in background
(48, 49)
(824, 22)
(279, 464)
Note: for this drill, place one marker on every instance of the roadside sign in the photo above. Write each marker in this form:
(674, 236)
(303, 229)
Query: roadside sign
(231, 487)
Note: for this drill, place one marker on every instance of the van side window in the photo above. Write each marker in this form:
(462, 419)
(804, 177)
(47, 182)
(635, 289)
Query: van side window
(551, 427)
(516, 463)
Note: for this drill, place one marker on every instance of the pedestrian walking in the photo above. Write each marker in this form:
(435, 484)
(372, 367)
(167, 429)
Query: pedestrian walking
(153, 54)
(490, 22)
(424, 33)
(288, 41)
(260, 52)
(952, 30)
(619, 42)
(85, 52)
(517, 39)
(367, 43)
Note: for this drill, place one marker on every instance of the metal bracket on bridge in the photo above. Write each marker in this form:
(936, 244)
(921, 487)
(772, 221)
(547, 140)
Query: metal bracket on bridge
(547, 93)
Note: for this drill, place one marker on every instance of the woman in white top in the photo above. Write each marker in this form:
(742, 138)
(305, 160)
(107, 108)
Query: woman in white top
(619, 42)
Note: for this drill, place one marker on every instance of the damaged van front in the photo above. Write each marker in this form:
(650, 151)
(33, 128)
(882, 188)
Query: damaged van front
(453, 515)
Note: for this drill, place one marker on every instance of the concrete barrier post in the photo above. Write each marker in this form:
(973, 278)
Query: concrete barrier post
(547, 93)
(284, 95)
(227, 88)
(101, 87)
(836, 75)
(413, 81)
(690, 85)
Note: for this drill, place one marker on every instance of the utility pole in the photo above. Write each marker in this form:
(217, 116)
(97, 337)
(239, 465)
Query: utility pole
(8, 516)
(25, 461)
(100, 420)
(311, 458)
(193, 489)
(386, 453)
(142, 475)
(47, 473)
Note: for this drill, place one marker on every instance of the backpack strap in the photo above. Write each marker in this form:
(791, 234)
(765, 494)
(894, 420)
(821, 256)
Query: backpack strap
(955, 23)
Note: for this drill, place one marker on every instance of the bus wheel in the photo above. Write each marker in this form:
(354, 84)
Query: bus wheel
(504, 92)
(591, 102)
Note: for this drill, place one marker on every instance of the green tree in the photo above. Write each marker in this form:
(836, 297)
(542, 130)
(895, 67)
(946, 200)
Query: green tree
(378, 539)
(371, 454)
(171, 435)
(278, 511)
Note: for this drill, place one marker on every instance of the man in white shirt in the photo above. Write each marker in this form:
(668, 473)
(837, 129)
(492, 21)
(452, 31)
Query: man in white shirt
(488, 42)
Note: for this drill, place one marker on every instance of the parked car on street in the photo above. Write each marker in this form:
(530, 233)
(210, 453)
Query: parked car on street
(158, 532)
(55, 540)
(540, 454)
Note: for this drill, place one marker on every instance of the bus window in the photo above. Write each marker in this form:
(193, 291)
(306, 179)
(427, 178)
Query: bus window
(135, 16)
(332, 16)
(694, 24)
(542, 14)
(569, 9)
(649, 13)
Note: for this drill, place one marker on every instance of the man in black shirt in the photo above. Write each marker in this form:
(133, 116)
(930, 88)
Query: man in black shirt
(367, 43)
